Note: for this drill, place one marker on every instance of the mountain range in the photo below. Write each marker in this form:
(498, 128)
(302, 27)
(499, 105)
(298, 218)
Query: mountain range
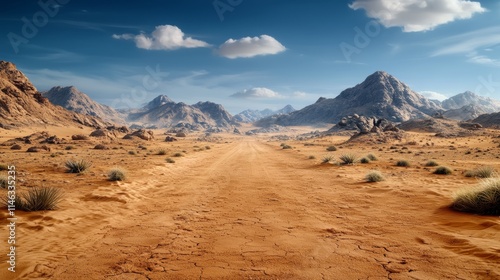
(21, 104)
(250, 116)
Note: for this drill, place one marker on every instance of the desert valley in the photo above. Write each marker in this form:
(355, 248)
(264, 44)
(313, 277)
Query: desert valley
(376, 183)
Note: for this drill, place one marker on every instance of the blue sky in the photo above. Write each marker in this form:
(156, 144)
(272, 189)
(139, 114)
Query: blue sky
(251, 53)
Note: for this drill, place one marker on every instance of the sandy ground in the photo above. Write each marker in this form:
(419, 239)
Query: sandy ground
(247, 209)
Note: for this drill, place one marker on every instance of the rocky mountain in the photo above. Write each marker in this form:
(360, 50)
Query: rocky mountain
(163, 112)
(21, 104)
(489, 120)
(250, 116)
(379, 95)
(467, 112)
(469, 98)
(74, 100)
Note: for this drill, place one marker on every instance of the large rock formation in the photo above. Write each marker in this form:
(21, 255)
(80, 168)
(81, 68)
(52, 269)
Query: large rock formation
(21, 104)
(74, 100)
(380, 95)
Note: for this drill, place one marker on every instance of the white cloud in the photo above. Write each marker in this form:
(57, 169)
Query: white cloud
(299, 94)
(164, 37)
(482, 59)
(433, 95)
(257, 92)
(250, 47)
(417, 15)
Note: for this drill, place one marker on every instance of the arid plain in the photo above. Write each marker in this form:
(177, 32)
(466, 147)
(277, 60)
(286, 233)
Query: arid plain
(242, 207)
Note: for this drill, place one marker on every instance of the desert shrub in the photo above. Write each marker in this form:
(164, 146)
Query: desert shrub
(284, 147)
(348, 158)
(481, 172)
(37, 199)
(4, 182)
(412, 143)
(431, 163)
(327, 159)
(77, 166)
(161, 152)
(374, 176)
(133, 153)
(403, 163)
(69, 148)
(311, 157)
(117, 174)
(170, 160)
(364, 160)
(4, 167)
(483, 199)
(208, 147)
(331, 148)
(371, 157)
(178, 155)
(443, 170)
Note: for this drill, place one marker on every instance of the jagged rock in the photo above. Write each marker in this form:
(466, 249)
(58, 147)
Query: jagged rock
(236, 131)
(79, 137)
(37, 149)
(142, 134)
(170, 139)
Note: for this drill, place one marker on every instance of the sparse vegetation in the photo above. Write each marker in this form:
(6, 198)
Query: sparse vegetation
(348, 159)
(161, 152)
(178, 155)
(374, 176)
(431, 163)
(100, 147)
(37, 199)
(483, 199)
(69, 148)
(77, 166)
(443, 170)
(4, 167)
(372, 157)
(311, 157)
(364, 160)
(481, 172)
(331, 148)
(403, 163)
(170, 160)
(133, 153)
(4, 182)
(327, 159)
(284, 147)
(208, 147)
(117, 174)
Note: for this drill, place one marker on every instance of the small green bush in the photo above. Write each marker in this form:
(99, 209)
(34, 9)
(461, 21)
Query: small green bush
(431, 163)
(443, 170)
(403, 163)
(117, 174)
(371, 157)
(348, 158)
(483, 199)
(364, 160)
(481, 172)
(37, 199)
(77, 166)
(331, 148)
(374, 176)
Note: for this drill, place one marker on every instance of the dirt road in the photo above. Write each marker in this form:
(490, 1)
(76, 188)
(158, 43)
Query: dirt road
(249, 210)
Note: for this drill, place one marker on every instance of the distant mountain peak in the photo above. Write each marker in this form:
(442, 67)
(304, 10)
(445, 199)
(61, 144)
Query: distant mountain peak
(158, 101)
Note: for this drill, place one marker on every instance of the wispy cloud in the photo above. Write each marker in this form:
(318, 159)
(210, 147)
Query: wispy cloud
(417, 15)
(257, 92)
(164, 37)
(433, 95)
(251, 46)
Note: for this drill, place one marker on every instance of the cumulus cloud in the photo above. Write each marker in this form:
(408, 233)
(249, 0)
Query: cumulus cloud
(257, 92)
(164, 37)
(417, 15)
(433, 95)
(250, 47)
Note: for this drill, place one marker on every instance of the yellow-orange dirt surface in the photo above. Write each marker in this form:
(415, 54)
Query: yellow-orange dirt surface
(244, 208)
